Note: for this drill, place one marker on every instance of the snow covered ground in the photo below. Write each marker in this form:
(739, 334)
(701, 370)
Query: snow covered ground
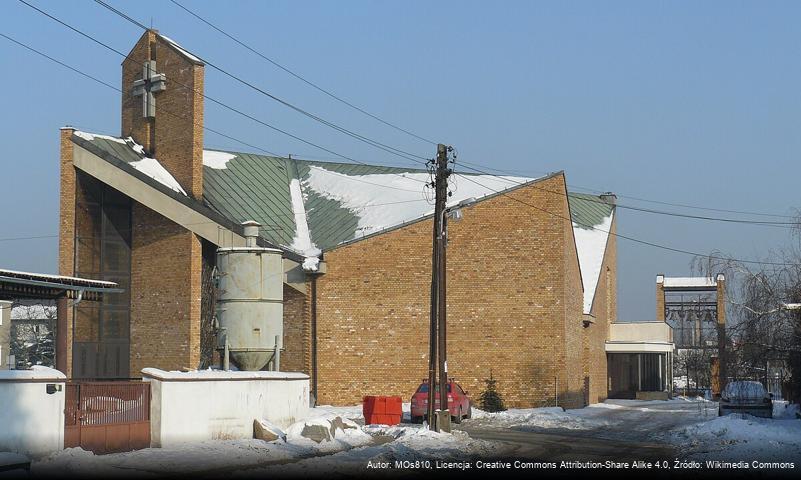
(549, 418)
(690, 425)
(348, 452)
(739, 437)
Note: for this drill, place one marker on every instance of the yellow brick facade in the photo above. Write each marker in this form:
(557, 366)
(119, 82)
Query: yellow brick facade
(514, 306)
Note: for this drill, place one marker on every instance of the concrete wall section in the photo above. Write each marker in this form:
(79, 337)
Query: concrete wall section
(223, 405)
(5, 333)
(31, 420)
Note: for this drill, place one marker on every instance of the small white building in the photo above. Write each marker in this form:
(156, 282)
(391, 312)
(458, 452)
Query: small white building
(640, 360)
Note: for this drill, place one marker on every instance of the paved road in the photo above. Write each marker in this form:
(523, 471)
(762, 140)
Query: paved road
(625, 431)
(571, 447)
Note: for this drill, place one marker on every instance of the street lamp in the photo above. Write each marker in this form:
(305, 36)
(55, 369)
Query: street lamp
(454, 213)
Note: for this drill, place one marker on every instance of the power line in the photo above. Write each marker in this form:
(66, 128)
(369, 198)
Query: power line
(196, 123)
(659, 212)
(619, 235)
(594, 190)
(214, 100)
(382, 146)
(301, 78)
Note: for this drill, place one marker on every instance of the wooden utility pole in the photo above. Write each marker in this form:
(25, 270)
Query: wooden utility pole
(437, 338)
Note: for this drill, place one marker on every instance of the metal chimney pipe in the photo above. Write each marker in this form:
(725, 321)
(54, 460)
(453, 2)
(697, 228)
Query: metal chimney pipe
(251, 232)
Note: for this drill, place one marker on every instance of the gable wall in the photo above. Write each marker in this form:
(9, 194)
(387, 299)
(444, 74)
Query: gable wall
(506, 305)
(604, 310)
(572, 384)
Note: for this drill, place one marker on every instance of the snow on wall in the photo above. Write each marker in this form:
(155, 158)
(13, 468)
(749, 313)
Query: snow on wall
(378, 207)
(591, 248)
(217, 160)
(302, 242)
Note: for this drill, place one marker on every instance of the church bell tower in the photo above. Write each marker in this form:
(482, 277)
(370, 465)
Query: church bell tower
(162, 107)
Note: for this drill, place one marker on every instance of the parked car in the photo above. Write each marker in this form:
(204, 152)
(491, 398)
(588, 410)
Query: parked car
(746, 397)
(459, 403)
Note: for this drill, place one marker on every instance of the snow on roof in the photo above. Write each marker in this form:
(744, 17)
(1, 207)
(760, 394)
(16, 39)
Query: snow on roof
(149, 166)
(180, 48)
(385, 200)
(124, 141)
(56, 278)
(212, 375)
(217, 160)
(591, 249)
(33, 312)
(302, 242)
(689, 282)
(153, 169)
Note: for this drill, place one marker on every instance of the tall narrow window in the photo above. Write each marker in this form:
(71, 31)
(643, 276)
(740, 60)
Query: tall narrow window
(101, 340)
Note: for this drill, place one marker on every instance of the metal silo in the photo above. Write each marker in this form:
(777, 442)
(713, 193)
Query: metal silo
(250, 308)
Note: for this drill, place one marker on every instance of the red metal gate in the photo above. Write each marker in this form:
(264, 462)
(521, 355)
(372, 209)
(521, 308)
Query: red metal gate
(107, 417)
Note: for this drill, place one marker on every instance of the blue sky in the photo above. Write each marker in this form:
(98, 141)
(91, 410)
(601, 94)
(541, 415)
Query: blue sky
(689, 102)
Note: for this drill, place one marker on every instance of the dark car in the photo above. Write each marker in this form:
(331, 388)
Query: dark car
(746, 397)
(458, 402)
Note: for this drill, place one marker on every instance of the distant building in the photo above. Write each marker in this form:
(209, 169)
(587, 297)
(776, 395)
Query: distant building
(531, 267)
(32, 336)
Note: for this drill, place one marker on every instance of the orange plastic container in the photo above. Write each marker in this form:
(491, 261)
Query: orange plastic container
(381, 410)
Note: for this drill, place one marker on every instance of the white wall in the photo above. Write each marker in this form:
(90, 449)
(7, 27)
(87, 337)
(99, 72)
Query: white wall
(640, 332)
(207, 405)
(31, 420)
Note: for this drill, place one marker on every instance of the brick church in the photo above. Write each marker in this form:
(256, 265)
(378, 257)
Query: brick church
(531, 293)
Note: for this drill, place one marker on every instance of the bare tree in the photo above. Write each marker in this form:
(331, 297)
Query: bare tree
(32, 334)
(761, 331)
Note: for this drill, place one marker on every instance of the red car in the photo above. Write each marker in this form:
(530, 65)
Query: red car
(458, 402)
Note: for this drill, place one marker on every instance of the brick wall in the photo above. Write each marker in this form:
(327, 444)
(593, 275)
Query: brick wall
(296, 355)
(175, 136)
(166, 277)
(572, 381)
(66, 232)
(511, 288)
(165, 293)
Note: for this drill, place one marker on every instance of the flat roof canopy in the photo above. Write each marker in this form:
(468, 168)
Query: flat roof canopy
(14, 285)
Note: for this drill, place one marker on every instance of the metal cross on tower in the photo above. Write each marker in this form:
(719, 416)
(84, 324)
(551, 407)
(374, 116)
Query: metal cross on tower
(149, 83)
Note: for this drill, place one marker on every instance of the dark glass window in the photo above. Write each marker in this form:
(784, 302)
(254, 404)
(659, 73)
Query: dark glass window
(103, 252)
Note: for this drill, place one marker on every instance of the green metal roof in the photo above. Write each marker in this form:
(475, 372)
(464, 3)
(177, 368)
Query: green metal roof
(588, 210)
(257, 187)
(253, 187)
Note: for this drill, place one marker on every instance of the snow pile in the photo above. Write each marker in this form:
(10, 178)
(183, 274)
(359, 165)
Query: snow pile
(327, 433)
(784, 410)
(401, 443)
(591, 248)
(740, 437)
(217, 160)
(535, 418)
